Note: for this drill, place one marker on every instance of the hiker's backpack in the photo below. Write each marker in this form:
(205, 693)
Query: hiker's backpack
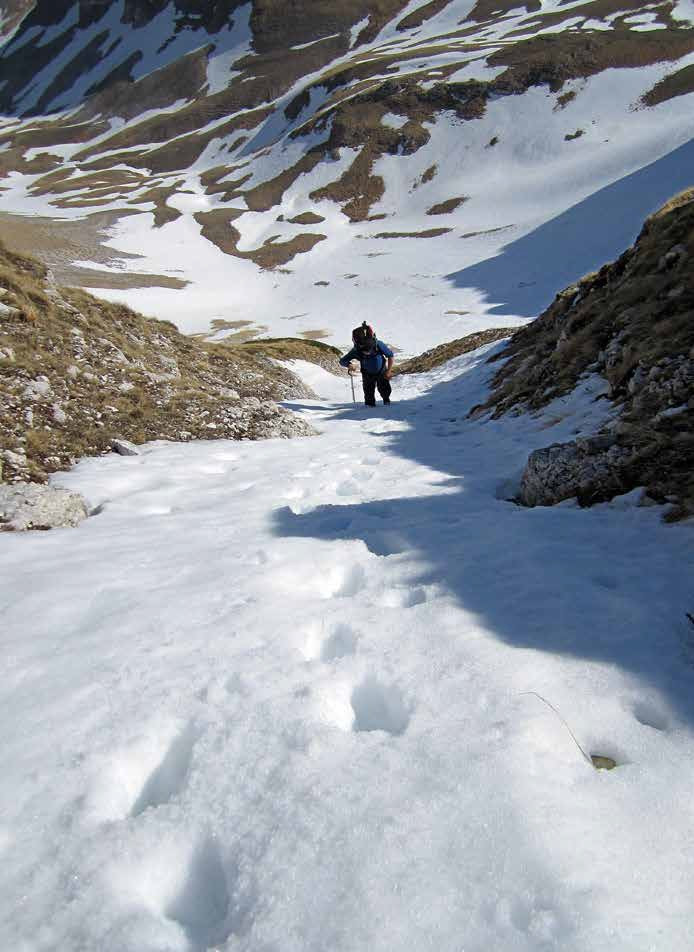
(364, 338)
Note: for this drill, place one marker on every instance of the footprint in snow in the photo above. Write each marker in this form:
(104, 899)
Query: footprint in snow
(328, 644)
(335, 581)
(379, 707)
(168, 777)
(149, 772)
(649, 715)
(348, 488)
(340, 643)
(202, 904)
(404, 597)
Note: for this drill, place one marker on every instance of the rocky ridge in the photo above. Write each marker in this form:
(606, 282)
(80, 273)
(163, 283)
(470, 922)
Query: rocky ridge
(632, 322)
(77, 373)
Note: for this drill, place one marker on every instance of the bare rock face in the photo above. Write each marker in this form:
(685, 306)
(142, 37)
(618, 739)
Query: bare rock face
(124, 448)
(577, 469)
(32, 506)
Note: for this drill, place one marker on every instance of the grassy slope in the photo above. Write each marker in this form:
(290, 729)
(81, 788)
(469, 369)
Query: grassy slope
(76, 372)
(632, 322)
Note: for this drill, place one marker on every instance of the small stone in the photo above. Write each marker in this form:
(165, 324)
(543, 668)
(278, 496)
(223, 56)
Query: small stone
(17, 459)
(124, 448)
(37, 389)
(603, 763)
(59, 414)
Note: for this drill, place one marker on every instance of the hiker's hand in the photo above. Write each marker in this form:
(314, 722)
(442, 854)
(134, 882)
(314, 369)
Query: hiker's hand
(353, 367)
(388, 374)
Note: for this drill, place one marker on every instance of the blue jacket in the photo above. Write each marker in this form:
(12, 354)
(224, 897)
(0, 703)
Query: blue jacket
(372, 363)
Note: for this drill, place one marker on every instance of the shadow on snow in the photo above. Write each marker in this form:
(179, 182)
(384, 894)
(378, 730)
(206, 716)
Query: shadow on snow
(603, 584)
(579, 240)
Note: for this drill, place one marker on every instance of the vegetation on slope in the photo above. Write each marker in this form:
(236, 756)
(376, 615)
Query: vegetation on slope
(76, 372)
(633, 323)
(453, 348)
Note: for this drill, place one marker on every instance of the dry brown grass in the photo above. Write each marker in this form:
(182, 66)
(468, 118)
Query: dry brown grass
(418, 16)
(445, 208)
(680, 83)
(306, 218)
(552, 59)
(454, 348)
(642, 307)
(426, 233)
(111, 372)
(292, 348)
(58, 243)
(216, 227)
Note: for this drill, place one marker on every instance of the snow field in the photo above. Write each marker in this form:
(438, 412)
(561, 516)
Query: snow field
(272, 696)
(413, 289)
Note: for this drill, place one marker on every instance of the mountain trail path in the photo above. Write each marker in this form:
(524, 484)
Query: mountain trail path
(274, 695)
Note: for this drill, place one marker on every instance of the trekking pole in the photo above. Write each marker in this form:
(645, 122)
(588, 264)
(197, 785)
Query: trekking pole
(351, 380)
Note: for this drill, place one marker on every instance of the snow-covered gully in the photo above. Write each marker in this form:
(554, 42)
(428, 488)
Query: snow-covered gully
(273, 697)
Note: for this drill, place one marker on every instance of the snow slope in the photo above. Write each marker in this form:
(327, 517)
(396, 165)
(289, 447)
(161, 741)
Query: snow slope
(274, 697)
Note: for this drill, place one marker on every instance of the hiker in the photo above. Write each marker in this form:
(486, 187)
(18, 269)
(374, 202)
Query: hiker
(375, 360)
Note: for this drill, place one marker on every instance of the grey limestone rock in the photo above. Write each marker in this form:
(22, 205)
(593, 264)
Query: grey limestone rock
(590, 469)
(33, 506)
(124, 448)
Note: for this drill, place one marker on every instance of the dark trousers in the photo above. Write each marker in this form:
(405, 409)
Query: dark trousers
(370, 382)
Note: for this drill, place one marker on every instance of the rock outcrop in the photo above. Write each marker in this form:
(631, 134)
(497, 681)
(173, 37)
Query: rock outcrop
(32, 506)
(633, 323)
(588, 469)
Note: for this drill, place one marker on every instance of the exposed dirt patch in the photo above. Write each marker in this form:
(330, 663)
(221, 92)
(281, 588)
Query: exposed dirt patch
(676, 84)
(265, 196)
(564, 100)
(427, 233)
(319, 334)
(112, 179)
(273, 29)
(570, 136)
(445, 208)
(485, 9)
(216, 227)
(356, 190)
(58, 243)
(421, 14)
(163, 212)
(553, 59)
(306, 218)
(488, 231)
(120, 280)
